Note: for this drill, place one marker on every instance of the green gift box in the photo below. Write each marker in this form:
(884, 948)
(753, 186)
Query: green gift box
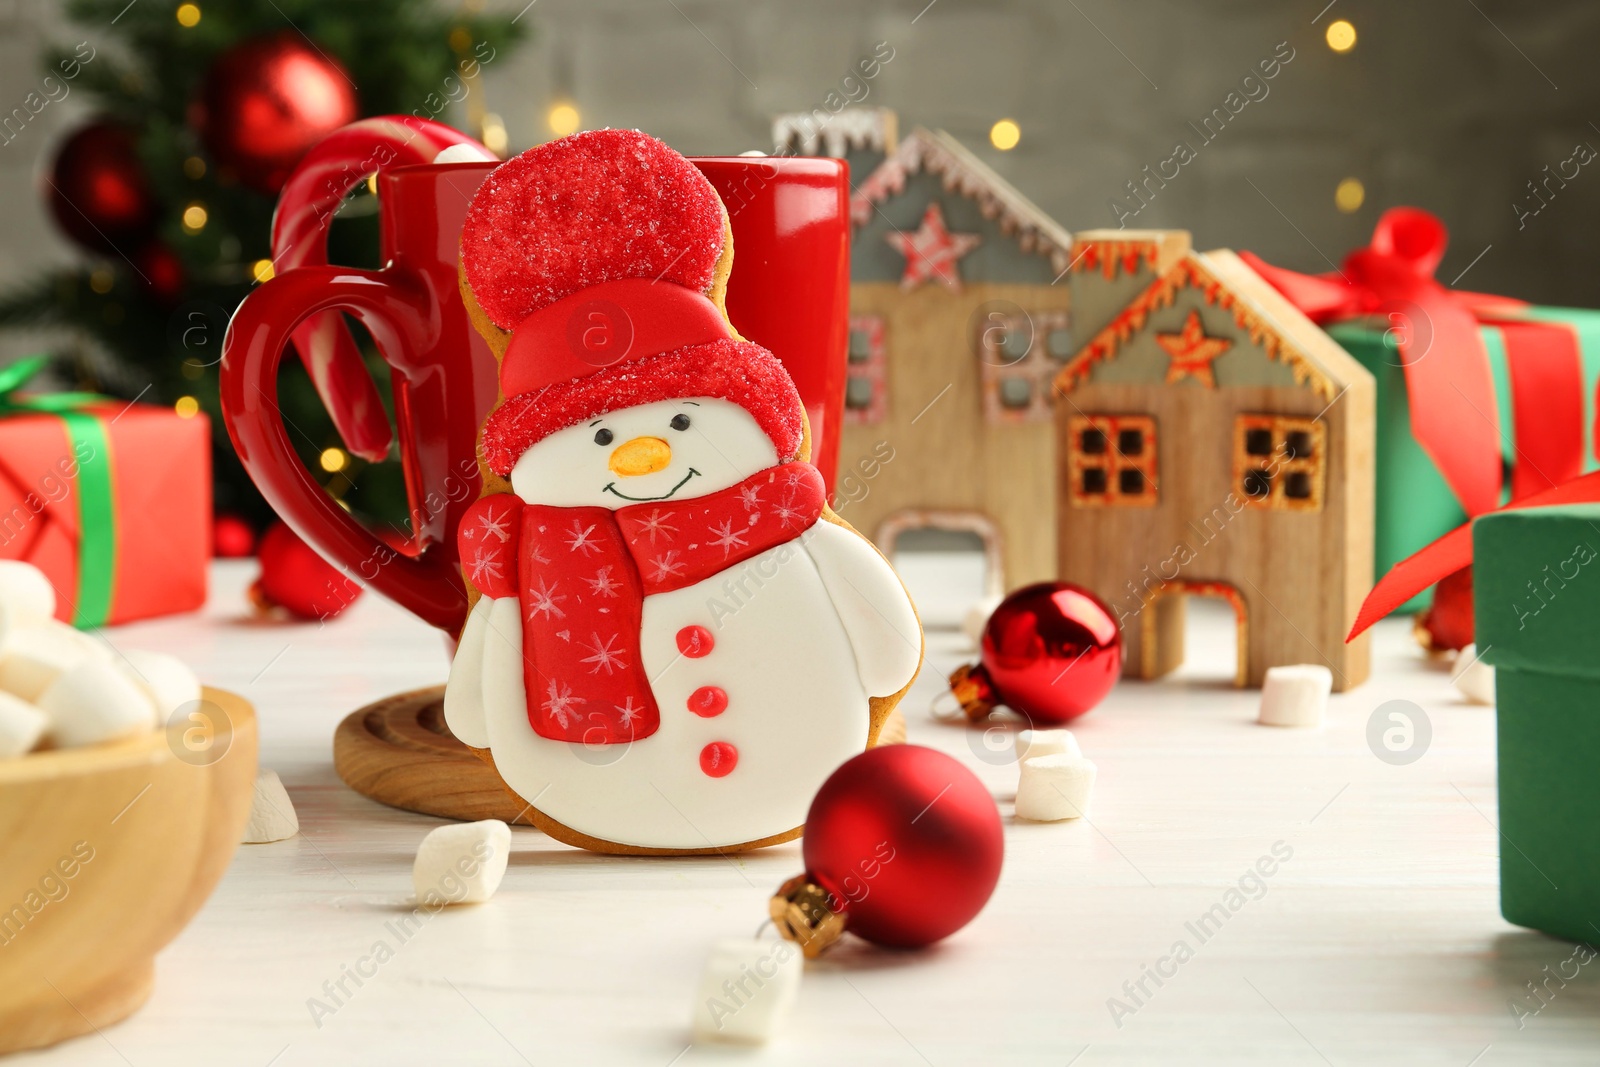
(1414, 505)
(1536, 585)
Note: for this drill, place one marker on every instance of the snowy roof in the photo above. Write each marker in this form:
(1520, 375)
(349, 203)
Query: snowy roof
(811, 133)
(1223, 280)
(936, 152)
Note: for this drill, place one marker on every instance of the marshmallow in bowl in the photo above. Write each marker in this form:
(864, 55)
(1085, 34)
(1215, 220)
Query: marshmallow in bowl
(34, 656)
(25, 593)
(166, 680)
(21, 726)
(94, 701)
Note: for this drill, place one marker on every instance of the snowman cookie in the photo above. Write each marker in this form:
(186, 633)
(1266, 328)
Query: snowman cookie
(676, 640)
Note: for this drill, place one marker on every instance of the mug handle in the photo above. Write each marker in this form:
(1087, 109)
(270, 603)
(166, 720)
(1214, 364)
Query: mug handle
(401, 317)
(311, 198)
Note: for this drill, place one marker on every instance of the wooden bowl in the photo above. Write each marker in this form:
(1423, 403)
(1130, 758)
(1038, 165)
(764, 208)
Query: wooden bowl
(105, 854)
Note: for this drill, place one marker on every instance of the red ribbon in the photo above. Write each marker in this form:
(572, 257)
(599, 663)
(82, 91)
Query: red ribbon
(1453, 413)
(1453, 551)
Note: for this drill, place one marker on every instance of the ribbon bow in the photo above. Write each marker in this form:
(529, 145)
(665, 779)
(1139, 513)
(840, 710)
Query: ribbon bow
(97, 540)
(1453, 412)
(1448, 380)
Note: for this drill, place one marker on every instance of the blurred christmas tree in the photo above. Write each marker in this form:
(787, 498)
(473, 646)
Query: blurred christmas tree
(204, 111)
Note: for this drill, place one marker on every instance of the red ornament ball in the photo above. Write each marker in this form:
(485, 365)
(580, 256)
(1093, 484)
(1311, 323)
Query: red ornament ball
(1446, 626)
(232, 537)
(265, 102)
(295, 578)
(99, 191)
(907, 841)
(162, 273)
(1050, 653)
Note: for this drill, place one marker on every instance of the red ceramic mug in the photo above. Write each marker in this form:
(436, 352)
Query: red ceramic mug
(789, 291)
(790, 286)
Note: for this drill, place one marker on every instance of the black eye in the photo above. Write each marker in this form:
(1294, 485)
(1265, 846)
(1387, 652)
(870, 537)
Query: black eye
(603, 436)
(680, 422)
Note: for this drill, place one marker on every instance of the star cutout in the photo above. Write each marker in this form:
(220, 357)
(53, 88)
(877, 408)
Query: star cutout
(1192, 351)
(932, 251)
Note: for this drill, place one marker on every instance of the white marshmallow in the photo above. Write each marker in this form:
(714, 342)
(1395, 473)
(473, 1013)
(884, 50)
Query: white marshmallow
(746, 989)
(92, 701)
(21, 726)
(1052, 788)
(977, 617)
(35, 656)
(166, 680)
(465, 153)
(1295, 695)
(272, 816)
(1473, 677)
(461, 863)
(25, 593)
(1046, 743)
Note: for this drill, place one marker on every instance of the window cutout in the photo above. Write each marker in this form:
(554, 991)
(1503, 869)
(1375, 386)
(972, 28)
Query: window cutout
(860, 345)
(1016, 392)
(1257, 484)
(1277, 461)
(1111, 460)
(1014, 345)
(858, 394)
(1017, 360)
(1060, 343)
(866, 385)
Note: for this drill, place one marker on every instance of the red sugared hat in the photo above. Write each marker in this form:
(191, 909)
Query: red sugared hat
(597, 253)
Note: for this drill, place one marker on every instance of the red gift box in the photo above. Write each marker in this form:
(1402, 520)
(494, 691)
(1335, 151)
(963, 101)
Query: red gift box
(112, 501)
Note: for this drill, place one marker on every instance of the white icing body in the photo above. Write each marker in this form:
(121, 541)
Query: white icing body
(803, 634)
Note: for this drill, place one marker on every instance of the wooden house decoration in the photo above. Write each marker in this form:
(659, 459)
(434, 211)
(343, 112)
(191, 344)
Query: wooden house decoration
(958, 326)
(1212, 441)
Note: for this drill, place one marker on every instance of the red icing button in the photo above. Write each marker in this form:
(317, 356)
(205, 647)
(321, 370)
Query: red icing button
(708, 700)
(695, 641)
(718, 759)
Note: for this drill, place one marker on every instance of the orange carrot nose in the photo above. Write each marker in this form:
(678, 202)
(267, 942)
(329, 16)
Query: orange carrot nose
(642, 455)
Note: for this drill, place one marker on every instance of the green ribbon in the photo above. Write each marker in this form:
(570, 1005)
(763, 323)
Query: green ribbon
(97, 518)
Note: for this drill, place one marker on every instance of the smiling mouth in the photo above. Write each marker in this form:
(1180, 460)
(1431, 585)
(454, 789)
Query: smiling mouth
(611, 487)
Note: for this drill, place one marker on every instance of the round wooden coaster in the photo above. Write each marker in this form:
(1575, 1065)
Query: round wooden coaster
(398, 751)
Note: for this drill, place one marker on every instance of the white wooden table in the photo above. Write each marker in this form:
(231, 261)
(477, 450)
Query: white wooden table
(1379, 941)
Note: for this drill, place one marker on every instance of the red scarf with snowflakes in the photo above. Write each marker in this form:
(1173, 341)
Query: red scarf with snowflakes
(582, 574)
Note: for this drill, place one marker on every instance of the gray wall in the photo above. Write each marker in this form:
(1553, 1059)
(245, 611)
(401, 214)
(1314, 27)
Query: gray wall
(1447, 104)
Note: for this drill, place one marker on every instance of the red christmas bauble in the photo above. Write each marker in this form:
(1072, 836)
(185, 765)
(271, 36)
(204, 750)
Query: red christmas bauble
(232, 537)
(1446, 626)
(908, 843)
(265, 102)
(1051, 652)
(295, 578)
(162, 270)
(99, 192)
